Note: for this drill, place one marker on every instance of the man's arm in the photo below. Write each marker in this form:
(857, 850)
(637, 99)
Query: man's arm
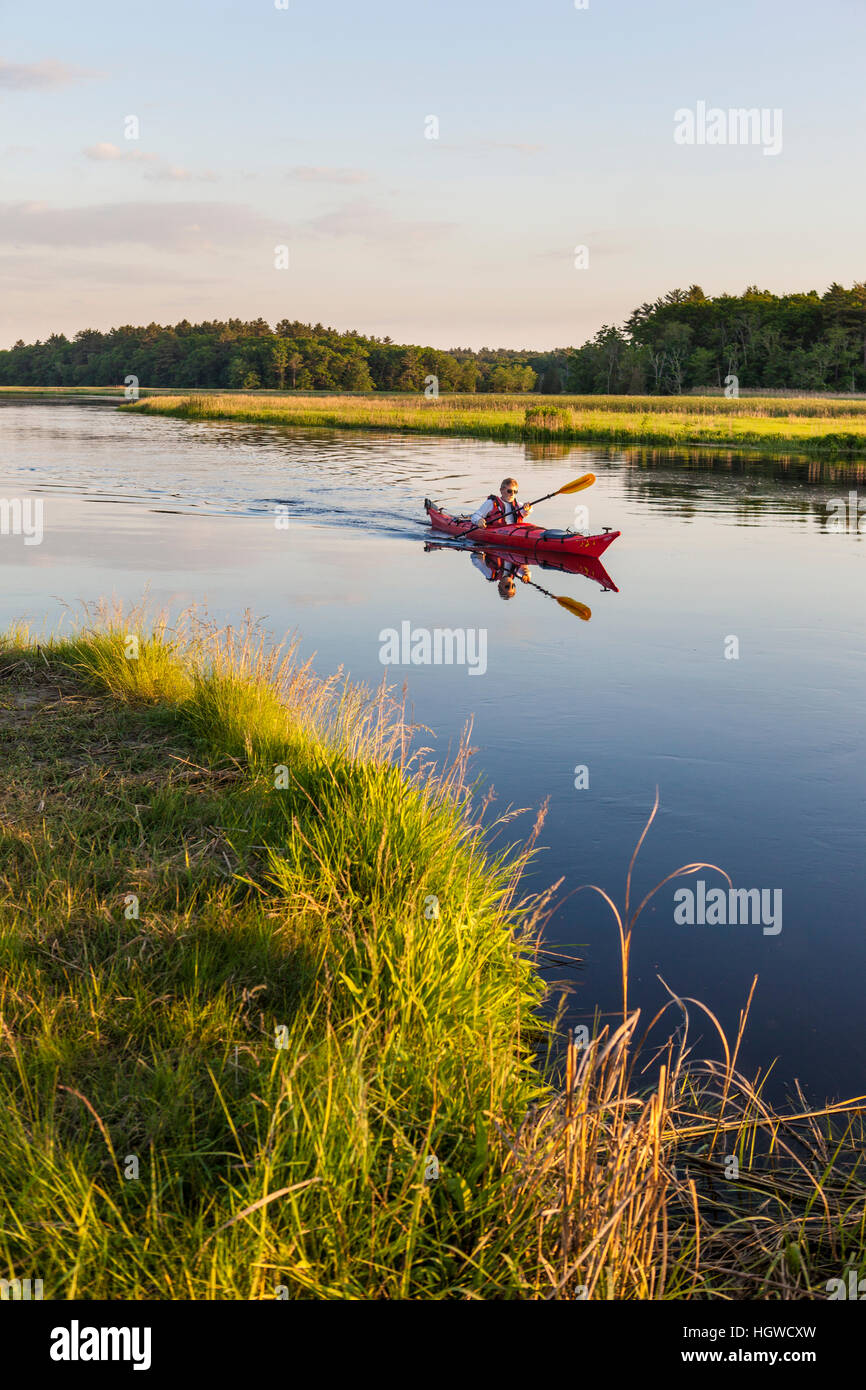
(483, 511)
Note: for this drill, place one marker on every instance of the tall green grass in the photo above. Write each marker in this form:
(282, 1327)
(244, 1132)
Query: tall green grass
(286, 851)
(809, 426)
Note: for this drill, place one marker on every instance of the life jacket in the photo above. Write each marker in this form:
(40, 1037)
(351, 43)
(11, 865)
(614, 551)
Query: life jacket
(498, 515)
(499, 568)
(495, 564)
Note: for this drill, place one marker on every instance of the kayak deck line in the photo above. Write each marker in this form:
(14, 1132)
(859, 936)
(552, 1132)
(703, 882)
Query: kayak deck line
(521, 536)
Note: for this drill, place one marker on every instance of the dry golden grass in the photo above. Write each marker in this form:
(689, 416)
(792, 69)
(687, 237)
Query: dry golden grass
(771, 424)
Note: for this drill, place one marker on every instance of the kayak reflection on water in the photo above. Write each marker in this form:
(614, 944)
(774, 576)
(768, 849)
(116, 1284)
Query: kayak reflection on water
(500, 571)
(514, 563)
(504, 569)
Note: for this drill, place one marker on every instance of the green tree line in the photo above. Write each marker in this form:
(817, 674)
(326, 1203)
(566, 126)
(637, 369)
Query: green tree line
(253, 356)
(682, 341)
(685, 340)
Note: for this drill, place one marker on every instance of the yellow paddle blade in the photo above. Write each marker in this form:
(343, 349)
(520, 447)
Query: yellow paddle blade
(579, 610)
(579, 484)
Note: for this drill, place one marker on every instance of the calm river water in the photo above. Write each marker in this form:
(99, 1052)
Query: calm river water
(759, 757)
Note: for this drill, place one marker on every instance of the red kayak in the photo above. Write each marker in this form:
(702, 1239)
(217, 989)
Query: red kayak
(523, 537)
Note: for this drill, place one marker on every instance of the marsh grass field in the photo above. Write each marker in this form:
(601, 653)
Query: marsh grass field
(770, 424)
(825, 425)
(260, 966)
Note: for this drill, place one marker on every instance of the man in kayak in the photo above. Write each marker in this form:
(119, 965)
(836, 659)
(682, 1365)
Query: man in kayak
(503, 510)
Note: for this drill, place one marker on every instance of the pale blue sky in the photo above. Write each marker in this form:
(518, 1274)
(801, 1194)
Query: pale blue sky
(305, 126)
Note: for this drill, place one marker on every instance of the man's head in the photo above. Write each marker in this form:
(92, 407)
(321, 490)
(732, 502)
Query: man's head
(506, 587)
(508, 489)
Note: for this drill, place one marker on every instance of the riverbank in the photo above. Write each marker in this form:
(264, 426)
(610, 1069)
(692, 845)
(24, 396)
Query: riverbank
(770, 404)
(227, 986)
(271, 1021)
(826, 428)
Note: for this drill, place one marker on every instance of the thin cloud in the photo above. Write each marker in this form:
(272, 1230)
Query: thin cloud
(28, 77)
(168, 173)
(107, 151)
(175, 173)
(477, 148)
(599, 247)
(95, 269)
(174, 227)
(309, 173)
(370, 222)
(516, 146)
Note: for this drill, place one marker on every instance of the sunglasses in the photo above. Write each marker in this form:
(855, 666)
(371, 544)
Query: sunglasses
(511, 491)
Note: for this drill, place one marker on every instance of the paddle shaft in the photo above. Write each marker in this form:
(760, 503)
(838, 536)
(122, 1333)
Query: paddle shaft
(539, 588)
(586, 480)
(543, 499)
(577, 486)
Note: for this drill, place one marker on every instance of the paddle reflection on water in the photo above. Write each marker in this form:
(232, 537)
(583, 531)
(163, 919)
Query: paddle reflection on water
(502, 567)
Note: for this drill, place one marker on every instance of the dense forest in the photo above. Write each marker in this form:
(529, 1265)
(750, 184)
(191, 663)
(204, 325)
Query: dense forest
(253, 356)
(683, 341)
